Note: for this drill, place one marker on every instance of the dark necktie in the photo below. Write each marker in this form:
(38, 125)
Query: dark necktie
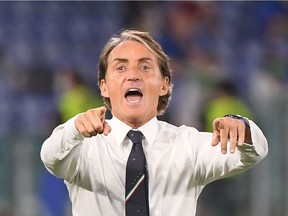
(136, 189)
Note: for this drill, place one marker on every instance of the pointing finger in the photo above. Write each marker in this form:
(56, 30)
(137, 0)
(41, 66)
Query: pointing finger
(106, 128)
(102, 111)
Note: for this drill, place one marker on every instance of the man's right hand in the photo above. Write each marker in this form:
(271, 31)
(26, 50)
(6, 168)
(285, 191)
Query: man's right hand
(92, 122)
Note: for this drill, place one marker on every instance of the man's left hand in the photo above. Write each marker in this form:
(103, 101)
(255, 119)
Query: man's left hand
(229, 129)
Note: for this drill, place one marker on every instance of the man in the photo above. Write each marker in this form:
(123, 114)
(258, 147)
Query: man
(91, 153)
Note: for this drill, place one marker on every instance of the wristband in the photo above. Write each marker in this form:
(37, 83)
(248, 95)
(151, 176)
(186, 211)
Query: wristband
(245, 120)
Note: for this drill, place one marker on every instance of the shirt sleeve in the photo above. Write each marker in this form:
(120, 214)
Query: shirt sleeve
(211, 164)
(60, 152)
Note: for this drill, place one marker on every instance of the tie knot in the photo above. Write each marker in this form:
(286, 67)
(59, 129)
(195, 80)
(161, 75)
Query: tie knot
(135, 136)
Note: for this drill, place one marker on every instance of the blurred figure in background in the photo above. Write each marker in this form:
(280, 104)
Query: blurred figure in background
(225, 100)
(74, 95)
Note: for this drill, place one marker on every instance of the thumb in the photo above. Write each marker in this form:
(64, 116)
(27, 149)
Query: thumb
(217, 125)
(106, 126)
(102, 111)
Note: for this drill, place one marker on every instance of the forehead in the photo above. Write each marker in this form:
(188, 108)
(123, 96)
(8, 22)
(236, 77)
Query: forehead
(130, 49)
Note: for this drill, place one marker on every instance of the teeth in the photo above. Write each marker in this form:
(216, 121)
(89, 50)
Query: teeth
(133, 95)
(134, 89)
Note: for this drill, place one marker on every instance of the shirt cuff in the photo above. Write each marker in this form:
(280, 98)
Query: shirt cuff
(259, 142)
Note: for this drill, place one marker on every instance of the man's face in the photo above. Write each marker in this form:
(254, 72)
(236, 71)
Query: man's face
(133, 83)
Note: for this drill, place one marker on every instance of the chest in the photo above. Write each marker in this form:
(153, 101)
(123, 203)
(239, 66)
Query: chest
(167, 163)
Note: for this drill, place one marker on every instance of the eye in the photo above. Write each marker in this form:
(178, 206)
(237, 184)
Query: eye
(120, 68)
(145, 68)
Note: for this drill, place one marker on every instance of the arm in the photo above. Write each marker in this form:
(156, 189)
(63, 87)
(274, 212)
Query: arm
(212, 164)
(60, 152)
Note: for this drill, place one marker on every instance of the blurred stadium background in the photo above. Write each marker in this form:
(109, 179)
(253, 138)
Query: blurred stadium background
(44, 44)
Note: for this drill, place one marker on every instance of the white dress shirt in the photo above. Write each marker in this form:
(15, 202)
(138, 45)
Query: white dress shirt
(180, 160)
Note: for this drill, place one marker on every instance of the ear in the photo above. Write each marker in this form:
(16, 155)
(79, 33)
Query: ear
(104, 89)
(165, 86)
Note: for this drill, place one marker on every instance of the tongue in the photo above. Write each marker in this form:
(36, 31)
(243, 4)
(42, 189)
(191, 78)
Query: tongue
(133, 98)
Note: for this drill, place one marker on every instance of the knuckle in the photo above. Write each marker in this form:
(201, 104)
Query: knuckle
(99, 128)
(90, 130)
(83, 132)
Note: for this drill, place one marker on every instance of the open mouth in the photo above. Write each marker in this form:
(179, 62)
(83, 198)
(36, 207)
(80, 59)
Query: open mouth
(133, 95)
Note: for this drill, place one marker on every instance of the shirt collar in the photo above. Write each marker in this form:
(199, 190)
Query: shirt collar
(120, 130)
(150, 130)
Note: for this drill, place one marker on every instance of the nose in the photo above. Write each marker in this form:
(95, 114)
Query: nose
(133, 74)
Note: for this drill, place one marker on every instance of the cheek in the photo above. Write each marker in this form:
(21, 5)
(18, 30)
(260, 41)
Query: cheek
(159, 88)
(154, 93)
(110, 86)
(115, 93)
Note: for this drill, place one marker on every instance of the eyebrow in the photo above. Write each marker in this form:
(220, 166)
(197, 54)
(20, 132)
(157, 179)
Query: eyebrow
(120, 60)
(144, 59)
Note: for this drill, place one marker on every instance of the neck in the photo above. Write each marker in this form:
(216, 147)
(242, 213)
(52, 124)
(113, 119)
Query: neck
(134, 123)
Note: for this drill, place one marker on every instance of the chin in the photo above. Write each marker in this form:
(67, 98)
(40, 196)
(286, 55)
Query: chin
(136, 115)
(140, 116)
